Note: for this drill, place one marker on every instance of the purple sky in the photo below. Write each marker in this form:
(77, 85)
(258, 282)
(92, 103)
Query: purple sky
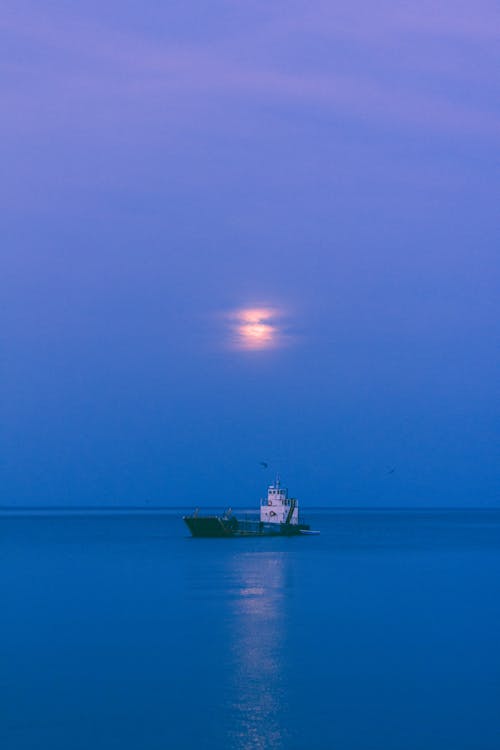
(168, 165)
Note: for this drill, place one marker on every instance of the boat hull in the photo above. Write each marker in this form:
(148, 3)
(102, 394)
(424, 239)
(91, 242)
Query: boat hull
(229, 527)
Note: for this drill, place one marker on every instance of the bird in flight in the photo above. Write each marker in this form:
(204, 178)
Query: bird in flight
(264, 464)
(391, 471)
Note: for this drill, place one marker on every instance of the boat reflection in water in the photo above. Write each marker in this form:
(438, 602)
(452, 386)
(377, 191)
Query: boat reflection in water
(257, 651)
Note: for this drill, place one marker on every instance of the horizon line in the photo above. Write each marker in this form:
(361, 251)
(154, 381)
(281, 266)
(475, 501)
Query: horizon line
(160, 508)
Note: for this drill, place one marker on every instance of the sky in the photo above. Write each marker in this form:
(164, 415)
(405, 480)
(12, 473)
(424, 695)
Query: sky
(245, 232)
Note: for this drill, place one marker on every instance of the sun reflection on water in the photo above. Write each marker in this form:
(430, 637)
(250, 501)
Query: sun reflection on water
(258, 645)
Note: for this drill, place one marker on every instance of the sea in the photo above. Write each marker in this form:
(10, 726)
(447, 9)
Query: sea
(118, 630)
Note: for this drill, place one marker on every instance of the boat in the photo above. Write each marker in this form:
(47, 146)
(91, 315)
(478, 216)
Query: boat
(279, 516)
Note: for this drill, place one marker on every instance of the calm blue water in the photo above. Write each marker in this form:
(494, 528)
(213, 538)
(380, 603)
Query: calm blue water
(121, 632)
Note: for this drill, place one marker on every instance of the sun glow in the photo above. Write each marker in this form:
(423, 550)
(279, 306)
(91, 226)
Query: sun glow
(255, 328)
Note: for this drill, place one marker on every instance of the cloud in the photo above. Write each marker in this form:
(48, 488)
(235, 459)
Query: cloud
(58, 68)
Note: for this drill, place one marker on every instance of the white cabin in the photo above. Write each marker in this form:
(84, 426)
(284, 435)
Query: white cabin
(278, 507)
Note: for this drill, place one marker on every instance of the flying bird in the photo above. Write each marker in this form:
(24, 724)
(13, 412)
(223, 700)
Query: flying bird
(264, 464)
(391, 471)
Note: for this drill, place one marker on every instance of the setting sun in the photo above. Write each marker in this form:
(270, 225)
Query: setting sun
(255, 328)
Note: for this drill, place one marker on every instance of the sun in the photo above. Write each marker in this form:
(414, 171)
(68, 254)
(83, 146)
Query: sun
(255, 328)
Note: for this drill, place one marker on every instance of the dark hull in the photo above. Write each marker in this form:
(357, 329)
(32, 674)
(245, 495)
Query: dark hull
(221, 526)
